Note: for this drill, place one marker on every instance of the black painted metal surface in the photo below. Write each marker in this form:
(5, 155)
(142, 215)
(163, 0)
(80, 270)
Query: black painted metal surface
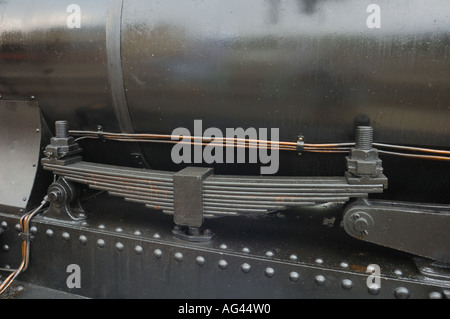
(306, 67)
(20, 140)
(411, 227)
(126, 251)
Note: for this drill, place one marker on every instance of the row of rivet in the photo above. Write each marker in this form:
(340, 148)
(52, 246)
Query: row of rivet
(101, 244)
(400, 292)
(137, 232)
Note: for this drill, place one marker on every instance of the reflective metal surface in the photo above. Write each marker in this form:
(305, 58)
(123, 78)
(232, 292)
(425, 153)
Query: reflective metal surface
(63, 68)
(304, 66)
(20, 135)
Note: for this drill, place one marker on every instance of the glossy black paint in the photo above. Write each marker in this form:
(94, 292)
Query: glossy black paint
(305, 67)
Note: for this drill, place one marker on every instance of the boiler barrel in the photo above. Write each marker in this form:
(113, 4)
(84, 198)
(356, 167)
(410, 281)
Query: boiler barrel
(306, 67)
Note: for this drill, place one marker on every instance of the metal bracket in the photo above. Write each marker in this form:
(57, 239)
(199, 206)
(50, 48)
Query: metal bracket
(188, 202)
(420, 229)
(64, 201)
(363, 164)
(63, 149)
(192, 234)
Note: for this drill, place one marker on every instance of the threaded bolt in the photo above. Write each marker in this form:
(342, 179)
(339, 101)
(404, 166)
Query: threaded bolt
(364, 137)
(54, 195)
(62, 129)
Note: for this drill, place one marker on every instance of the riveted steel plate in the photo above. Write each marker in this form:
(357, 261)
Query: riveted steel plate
(126, 251)
(20, 137)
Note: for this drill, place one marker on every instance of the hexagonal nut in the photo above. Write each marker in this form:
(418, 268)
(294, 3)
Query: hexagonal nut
(371, 154)
(361, 167)
(371, 168)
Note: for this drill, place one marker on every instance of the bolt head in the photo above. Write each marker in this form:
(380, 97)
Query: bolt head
(245, 268)
(361, 224)
(200, 260)
(54, 195)
(269, 272)
(320, 280)
(138, 249)
(401, 293)
(223, 264)
(347, 284)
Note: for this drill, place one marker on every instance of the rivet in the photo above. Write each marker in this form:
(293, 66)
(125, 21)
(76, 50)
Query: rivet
(200, 260)
(118, 229)
(66, 236)
(119, 246)
(319, 261)
(269, 272)
(158, 253)
(84, 223)
(20, 288)
(347, 284)
(49, 233)
(223, 264)
(137, 232)
(401, 293)
(32, 97)
(178, 256)
(435, 295)
(293, 257)
(223, 246)
(294, 276)
(138, 249)
(156, 235)
(269, 253)
(4, 224)
(33, 230)
(101, 243)
(101, 226)
(24, 199)
(245, 250)
(5, 248)
(398, 272)
(374, 289)
(18, 228)
(320, 280)
(245, 268)
(344, 264)
(83, 239)
(7, 267)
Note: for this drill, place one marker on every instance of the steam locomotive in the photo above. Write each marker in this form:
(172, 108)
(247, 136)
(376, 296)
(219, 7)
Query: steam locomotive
(97, 100)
